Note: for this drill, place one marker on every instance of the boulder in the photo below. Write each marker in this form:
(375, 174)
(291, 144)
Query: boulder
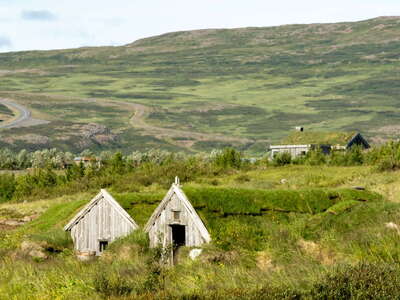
(13, 223)
(33, 250)
(37, 254)
(85, 255)
(194, 253)
(26, 219)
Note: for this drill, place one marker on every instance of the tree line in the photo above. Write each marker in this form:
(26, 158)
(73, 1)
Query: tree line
(53, 173)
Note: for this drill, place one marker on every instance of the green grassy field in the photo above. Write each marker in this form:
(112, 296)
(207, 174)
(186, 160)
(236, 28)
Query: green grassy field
(270, 240)
(249, 85)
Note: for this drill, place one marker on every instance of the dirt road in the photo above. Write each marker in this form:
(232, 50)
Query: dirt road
(138, 120)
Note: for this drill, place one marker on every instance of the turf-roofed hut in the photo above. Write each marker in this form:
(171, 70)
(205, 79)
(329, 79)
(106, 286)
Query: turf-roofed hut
(175, 222)
(300, 142)
(98, 224)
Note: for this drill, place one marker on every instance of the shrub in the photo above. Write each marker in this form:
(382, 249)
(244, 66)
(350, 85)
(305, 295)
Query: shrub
(386, 157)
(315, 157)
(7, 187)
(75, 172)
(112, 284)
(264, 293)
(243, 178)
(228, 158)
(363, 281)
(282, 292)
(282, 159)
(386, 164)
(24, 186)
(355, 156)
(156, 269)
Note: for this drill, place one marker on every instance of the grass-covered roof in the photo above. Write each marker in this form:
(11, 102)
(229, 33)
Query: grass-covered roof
(245, 218)
(318, 137)
(230, 201)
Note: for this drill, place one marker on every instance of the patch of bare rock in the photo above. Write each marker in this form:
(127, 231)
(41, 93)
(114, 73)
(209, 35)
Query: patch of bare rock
(16, 222)
(94, 133)
(29, 139)
(316, 251)
(33, 250)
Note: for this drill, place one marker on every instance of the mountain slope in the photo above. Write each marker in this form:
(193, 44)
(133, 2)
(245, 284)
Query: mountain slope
(202, 89)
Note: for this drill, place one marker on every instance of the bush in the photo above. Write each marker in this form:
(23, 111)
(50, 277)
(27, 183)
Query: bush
(228, 158)
(282, 159)
(7, 187)
(386, 157)
(243, 178)
(315, 157)
(355, 156)
(363, 281)
(386, 164)
(265, 293)
(112, 284)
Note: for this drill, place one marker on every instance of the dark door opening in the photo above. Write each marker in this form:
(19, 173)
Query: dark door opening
(178, 235)
(178, 240)
(103, 246)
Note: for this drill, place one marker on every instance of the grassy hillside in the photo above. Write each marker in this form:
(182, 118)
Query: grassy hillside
(197, 90)
(275, 242)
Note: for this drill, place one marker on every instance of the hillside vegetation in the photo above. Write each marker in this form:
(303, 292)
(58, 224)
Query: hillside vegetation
(295, 231)
(204, 89)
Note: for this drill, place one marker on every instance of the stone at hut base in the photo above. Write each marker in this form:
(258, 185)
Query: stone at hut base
(193, 254)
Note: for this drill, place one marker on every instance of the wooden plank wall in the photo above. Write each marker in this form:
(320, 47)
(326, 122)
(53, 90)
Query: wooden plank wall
(161, 232)
(102, 222)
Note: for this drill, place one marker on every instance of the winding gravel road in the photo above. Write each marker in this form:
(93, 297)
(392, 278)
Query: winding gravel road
(24, 114)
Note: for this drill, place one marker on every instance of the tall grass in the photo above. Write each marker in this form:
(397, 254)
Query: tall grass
(266, 243)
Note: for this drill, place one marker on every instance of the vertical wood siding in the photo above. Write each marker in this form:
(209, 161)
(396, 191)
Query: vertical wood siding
(160, 232)
(101, 222)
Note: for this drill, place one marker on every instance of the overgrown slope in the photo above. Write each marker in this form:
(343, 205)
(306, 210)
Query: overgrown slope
(266, 244)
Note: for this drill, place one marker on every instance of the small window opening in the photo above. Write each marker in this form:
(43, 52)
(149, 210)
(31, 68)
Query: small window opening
(303, 152)
(103, 246)
(177, 215)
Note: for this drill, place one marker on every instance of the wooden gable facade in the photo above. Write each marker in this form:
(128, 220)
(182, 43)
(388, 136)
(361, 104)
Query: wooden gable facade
(175, 222)
(99, 223)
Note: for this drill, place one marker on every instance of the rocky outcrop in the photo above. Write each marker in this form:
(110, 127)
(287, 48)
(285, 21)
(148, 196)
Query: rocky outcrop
(33, 250)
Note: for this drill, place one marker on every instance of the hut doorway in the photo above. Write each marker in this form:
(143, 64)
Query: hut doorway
(178, 240)
(103, 244)
(178, 235)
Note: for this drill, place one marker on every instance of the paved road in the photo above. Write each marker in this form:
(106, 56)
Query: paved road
(24, 114)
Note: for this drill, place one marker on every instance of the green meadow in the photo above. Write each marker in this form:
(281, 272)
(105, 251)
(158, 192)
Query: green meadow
(288, 232)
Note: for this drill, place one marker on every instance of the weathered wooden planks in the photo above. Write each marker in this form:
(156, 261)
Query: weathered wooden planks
(175, 209)
(102, 220)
